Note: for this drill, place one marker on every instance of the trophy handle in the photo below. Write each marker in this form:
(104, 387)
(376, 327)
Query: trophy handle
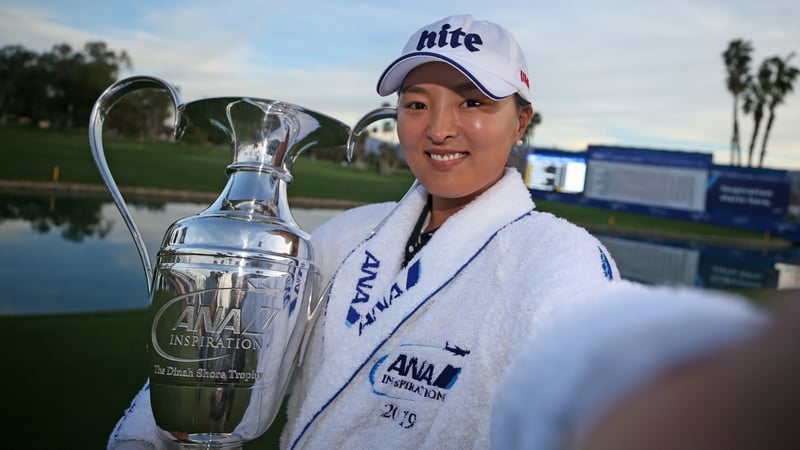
(362, 124)
(101, 108)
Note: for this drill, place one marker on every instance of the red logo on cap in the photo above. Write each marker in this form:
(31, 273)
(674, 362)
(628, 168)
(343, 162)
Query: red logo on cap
(524, 78)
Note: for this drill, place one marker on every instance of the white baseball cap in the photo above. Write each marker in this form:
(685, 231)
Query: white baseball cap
(484, 52)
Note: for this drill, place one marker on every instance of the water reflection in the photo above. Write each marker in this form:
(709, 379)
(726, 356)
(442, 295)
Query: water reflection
(71, 254)
(75, 254)
(75, 219)
(656, 261)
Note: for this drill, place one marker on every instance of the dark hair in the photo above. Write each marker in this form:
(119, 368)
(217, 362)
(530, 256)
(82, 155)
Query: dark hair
(521, 102)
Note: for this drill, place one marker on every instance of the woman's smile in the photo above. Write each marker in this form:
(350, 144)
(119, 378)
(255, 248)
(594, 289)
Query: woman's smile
(446, 157)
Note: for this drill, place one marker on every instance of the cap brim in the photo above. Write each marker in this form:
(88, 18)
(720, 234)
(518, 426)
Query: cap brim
(392, 78)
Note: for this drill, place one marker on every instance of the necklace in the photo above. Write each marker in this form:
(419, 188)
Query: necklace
(419, 238)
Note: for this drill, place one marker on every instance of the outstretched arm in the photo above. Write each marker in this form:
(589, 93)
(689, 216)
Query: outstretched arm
(743, 398)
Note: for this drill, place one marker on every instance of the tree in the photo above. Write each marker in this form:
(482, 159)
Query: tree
(89, 74)
(144, 114)
(755, 98)
(15, 67)
(737, 65)
(60, 85)
(781, 85)
(536, 119)
(99, 69)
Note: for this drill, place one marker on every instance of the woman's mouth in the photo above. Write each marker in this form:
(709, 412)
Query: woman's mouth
(447, 156)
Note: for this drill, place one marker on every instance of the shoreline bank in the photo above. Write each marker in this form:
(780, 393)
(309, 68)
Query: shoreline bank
(146, 193)
(173, 195)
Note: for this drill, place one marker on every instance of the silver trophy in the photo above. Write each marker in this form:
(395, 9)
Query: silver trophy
(234, 286)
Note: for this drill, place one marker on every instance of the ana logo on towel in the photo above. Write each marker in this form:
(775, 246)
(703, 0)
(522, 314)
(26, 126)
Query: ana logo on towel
(413, 372)
(364, 310)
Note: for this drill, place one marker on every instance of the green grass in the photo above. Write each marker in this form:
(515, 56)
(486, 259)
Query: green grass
(70, 377)
(31, 154)
(324, 179)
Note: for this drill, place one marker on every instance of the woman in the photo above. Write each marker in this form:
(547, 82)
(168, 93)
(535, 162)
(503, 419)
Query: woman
(429, 298)
(426, 311)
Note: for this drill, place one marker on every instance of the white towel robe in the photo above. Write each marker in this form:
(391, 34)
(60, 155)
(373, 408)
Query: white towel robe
(410, 357)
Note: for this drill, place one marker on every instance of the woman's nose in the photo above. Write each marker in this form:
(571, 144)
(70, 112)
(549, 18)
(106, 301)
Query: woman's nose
(443, 125)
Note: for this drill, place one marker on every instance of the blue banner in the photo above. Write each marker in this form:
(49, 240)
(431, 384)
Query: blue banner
(748, 191)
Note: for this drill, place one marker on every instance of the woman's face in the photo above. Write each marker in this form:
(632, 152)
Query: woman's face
(455, 139)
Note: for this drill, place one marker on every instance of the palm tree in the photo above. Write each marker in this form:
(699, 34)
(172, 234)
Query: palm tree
(780, 86)
(737, 64)
(755, 98)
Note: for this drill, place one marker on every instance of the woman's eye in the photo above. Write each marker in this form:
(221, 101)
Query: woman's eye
(416, 105)
(472, 103)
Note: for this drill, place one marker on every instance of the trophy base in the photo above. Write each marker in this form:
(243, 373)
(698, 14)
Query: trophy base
(197, 441)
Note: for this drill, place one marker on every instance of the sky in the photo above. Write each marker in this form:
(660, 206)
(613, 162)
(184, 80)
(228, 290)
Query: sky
(631, 73)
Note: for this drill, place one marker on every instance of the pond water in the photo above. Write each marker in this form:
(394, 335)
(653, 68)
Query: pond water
(73, 254)
(70, 254)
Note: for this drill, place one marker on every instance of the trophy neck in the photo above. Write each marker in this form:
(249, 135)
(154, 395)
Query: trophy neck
(263, 134)
(257, 193)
